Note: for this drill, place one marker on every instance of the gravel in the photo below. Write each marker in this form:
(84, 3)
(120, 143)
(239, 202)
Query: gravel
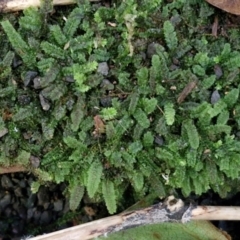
(23, 212)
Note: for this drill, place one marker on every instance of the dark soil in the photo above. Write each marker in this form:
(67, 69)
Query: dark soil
(23, 213)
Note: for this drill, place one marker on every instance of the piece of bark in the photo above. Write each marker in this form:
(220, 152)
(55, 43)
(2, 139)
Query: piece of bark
(17, 5)
(186, 91)
(231, 6)
(12, 169)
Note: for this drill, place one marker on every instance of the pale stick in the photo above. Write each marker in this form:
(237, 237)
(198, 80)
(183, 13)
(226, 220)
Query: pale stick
(171, 210)
(17, 5)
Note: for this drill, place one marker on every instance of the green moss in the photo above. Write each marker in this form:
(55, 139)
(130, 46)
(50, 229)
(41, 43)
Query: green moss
(135, 133)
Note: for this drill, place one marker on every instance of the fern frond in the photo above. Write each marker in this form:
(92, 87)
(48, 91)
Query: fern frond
(192, 133)
(137, 181)
(148, 139)
(109, 195)
(58, 35)
(170, 35)
(223, 117)
(217, 108)
(135, 147)
(208, 82)
(149, 105)
(94, 177)
(108, 113)
(52, 50)
(191, 157)
(32, 21)
(157, 185)
(23, 158)
(142, 79)
(212, 171)
(73, 22)
(76, 193)
(35, 186)
(19, 45)
(123, 125)
(231, 98)
(141, 118)
(77, 114)
(137, 131)
(133, 102)
(169, 113)
(43, 175)
(161, 127)
(217, 129)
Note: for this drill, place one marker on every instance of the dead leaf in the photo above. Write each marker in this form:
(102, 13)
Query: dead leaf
(186, 91)
(99, 125)
(231, 6)
(215, 26)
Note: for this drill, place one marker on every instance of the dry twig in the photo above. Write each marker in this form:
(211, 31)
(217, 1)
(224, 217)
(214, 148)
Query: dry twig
(171, 210)
(17, 5)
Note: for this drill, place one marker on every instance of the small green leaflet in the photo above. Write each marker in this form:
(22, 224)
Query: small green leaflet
(94, 177)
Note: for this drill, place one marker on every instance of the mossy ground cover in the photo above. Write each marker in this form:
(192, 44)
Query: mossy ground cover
(139, 96)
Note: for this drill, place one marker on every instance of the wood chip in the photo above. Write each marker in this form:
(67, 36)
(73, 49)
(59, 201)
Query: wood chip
(186, 91)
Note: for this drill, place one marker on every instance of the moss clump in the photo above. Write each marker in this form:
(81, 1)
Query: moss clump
(109, 97)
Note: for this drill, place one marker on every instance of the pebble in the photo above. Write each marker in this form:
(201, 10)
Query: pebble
(6, 182)
(106, 101)
(106, 85)
(159, 140)
(45, 217)
(58, 205)
(37, 83)
(3, 131)
(29, 76)
(103, 68)
(44, 103)
(5, 201)
(215, 97)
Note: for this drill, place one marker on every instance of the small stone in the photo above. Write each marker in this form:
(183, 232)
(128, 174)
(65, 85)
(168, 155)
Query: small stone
(30, 75)
(16, 61)
(3, 131)
(6, 182)
(34, 161)
(37, 83)
(58, 205)
(45, 217)
(107, 85)
(69, 104)
(31, 200)
(5, 201)
(103, 68)
(42, 195)
(17, 227)
(18, 192)
(22, 212)
(24, 99)
(22, 183)
(106, 101)
(36, 216)
(159, 140)
(8, 212)
(44, 103)
(218, 71)
(66, 207)
(151, 49)
(69, 79)
(215, 97)
(30, 213)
